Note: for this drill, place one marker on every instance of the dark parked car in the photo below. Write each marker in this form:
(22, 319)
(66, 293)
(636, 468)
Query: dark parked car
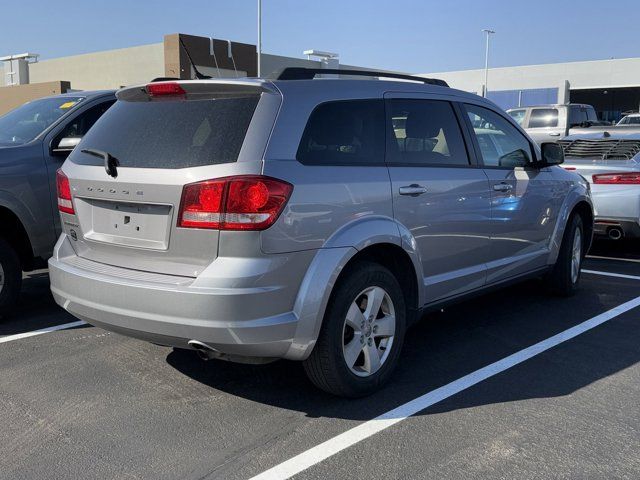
(34, 141)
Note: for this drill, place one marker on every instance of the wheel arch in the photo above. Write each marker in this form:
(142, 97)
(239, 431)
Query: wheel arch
(387, 247)
(584, 209)
(577, 200)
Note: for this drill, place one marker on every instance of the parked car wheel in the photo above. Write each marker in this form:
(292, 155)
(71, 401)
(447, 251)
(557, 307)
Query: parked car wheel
(10, 277)
(564, 279)
(362, 334)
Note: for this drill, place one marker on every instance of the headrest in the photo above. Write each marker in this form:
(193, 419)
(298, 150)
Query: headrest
(422, 126)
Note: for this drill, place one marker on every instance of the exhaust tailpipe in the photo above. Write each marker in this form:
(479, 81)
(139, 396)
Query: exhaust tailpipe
(204, 351)
(615, 233)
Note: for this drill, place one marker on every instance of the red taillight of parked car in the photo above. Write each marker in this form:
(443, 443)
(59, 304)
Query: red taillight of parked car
(626, 178)
(248, 202)
(65, 204)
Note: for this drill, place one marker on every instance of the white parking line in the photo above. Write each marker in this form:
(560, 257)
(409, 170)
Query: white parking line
(64, 326)
(609, 274)
(345, 440)
(598, 257)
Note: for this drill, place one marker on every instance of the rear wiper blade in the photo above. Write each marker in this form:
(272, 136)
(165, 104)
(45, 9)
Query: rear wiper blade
(110, 162)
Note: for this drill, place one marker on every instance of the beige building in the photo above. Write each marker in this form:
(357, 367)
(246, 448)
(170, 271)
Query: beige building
(611, 86)
(113, 69)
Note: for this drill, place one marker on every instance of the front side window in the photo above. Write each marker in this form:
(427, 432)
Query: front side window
(425, 132)
(25, 123)
(344, 133)
(543, 117)
(501, 144)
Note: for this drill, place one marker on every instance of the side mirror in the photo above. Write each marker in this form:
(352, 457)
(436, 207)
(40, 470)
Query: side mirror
(552, 154)
(65, 146)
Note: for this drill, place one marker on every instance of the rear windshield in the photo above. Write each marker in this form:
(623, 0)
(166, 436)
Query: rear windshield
(170, 134)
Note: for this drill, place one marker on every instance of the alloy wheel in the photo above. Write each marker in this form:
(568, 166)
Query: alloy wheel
(368, 332)
(576, 255)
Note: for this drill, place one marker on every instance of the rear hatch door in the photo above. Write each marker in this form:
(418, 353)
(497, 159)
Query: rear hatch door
(157, 144)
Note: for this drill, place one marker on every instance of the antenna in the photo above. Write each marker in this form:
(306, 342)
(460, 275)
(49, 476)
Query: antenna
(199, 75)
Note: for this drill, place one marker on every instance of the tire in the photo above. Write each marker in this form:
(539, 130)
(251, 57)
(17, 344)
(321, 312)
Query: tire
(564, 278)
(350, 331)
(10, 278)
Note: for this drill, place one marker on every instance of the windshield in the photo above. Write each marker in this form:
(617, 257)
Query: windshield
(25, 123)
(630, 120)
(517, 115)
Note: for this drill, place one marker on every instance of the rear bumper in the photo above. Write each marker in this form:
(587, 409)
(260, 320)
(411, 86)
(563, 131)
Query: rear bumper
(604, 225)
(617, 206)
(169, 310)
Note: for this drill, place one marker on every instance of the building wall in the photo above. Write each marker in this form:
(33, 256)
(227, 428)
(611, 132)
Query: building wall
(103, 70)
(14, 96)
(580, 75)
(273, 63)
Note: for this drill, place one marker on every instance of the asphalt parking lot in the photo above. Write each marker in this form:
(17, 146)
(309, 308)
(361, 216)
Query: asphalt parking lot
(86, 403)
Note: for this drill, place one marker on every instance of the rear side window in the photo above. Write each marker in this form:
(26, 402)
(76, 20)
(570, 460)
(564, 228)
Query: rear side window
(543, 117)
(425, 132)
(171, 134)
(577, 115)
(344, 133)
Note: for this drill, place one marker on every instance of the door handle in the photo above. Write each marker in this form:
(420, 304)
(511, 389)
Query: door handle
(554, 134)
(502, 187)
(413, 190)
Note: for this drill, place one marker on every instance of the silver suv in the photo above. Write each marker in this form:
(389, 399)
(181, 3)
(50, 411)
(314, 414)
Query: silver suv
(306, 219)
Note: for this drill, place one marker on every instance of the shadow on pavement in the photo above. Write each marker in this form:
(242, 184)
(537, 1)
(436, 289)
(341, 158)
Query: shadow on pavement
(36, 308)
(446, 346)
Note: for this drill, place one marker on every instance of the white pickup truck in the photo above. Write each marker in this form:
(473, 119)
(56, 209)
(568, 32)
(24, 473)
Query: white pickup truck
(548, 123)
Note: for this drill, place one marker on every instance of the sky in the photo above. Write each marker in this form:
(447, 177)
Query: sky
(416, 36)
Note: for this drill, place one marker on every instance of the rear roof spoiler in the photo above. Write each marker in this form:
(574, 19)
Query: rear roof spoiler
(201, 88)
(302, 73)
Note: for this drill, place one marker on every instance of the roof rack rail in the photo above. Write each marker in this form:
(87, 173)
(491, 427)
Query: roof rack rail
(302, 73)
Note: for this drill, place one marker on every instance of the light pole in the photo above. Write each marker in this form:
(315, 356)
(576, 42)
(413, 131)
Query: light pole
(486, 62)
(259, 36)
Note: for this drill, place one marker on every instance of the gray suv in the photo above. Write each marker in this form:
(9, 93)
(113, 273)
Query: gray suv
(35, 139)
(307, 219)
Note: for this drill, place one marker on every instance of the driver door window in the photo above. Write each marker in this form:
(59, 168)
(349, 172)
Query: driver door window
(501, 144)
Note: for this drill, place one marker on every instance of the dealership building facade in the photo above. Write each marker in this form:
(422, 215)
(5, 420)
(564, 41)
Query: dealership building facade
(24, 77)
(611, 86)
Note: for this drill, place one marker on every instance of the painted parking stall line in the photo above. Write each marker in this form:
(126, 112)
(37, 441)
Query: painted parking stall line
(357, 434)
(610, 274)
(20, 336)
(615, 259)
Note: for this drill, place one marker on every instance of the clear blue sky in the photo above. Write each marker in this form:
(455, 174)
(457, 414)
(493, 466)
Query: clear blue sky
(407, 35)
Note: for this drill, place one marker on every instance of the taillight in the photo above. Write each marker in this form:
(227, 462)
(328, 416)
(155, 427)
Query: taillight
(164, 89)
(625, 178)
(233, 203)
(64, 193)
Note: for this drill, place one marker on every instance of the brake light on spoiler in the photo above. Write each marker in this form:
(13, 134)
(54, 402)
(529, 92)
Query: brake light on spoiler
(246, 202)
(624, 178)
(164, 89)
